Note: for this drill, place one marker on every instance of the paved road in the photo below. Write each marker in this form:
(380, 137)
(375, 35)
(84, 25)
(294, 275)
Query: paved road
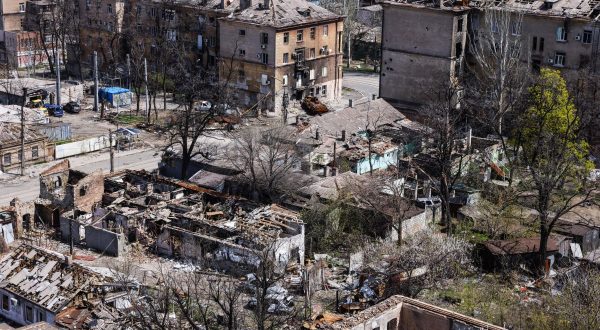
(28, 189)
(365, 83)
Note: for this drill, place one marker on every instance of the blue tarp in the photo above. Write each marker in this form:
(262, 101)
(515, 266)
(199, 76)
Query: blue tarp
(116, 96)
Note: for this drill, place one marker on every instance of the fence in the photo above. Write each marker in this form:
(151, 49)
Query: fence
(82, 147)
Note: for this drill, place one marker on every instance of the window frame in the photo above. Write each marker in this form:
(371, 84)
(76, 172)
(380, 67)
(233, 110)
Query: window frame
(561, 34)
(563, 58)
(589, 34)
(299, 35)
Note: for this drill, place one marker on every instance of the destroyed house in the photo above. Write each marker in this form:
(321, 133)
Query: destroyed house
(402, 313)
(36, 285)
(183, 220)
(63, 188)
(501, 254)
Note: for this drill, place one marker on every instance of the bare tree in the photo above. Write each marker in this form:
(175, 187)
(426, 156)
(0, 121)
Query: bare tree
(265, 158)
(422, 262)
(443, 166)
(500, 75)
(269, 273)
(384, 194)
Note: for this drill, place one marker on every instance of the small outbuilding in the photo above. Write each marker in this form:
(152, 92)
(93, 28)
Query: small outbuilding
(115, 96)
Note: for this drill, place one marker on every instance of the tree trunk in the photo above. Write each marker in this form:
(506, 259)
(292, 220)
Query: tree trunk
(544, 235)
(399, 231)
(137, 103)
(445, 197)
(185, 162)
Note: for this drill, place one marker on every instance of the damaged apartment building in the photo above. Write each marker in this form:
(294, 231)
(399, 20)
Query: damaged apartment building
(280, 51)
(425, 44)
(182, 220)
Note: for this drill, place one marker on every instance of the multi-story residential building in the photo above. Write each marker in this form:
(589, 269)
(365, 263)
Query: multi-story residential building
(21, 49)
(280, 50)
(13, 13)
(423, 42)
(422, 47)
(147, 26)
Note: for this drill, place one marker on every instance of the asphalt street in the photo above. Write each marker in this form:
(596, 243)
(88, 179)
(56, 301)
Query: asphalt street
(28, 188)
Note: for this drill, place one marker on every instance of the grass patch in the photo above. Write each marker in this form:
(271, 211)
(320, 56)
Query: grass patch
(59, 142)
(129, 119)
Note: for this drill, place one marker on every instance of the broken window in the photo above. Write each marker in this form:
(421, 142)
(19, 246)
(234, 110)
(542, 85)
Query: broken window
(459, 24)
(324, 72)
(41, 316)
(534, 44)
(313, 32)
(515, 28)
(541, 44)
(325, 30)
(311, 53)
(241, 75)
(242, 32)
(7, 159)
(109, 8)
(324, 90)
(34, 152)
(264, 38)
(5, 302)
(561, 34)
(28, 314)
(22, 7)
(300, 35)
(264, 58)
(285, 80)
(57, 182)
(286, 57)
(82, 191)
(587, 37)
(242, 52)
(286, 37)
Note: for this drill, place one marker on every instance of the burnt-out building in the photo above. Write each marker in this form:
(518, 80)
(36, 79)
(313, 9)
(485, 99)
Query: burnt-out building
(186, 221)
(63, 188)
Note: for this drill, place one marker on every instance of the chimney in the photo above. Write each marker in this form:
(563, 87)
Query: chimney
(343, 135)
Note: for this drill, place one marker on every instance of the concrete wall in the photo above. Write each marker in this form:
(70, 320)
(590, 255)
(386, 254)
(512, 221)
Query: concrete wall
(16, 312)
(71, 228)
(418, 50)
(379, 162)
(413, 225)
(107, 242)
(82, 147)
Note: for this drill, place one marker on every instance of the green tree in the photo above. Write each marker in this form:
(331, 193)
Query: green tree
(553, 153)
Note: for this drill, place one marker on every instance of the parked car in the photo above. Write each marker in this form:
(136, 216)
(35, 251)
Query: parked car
(72, 107)
(203, 106)
(55, 110)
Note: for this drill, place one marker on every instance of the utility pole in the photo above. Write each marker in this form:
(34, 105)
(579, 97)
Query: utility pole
(95, 81)
(146, 83)
(112, 154)
(128, 72)
(57, 64)
(23, 131)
